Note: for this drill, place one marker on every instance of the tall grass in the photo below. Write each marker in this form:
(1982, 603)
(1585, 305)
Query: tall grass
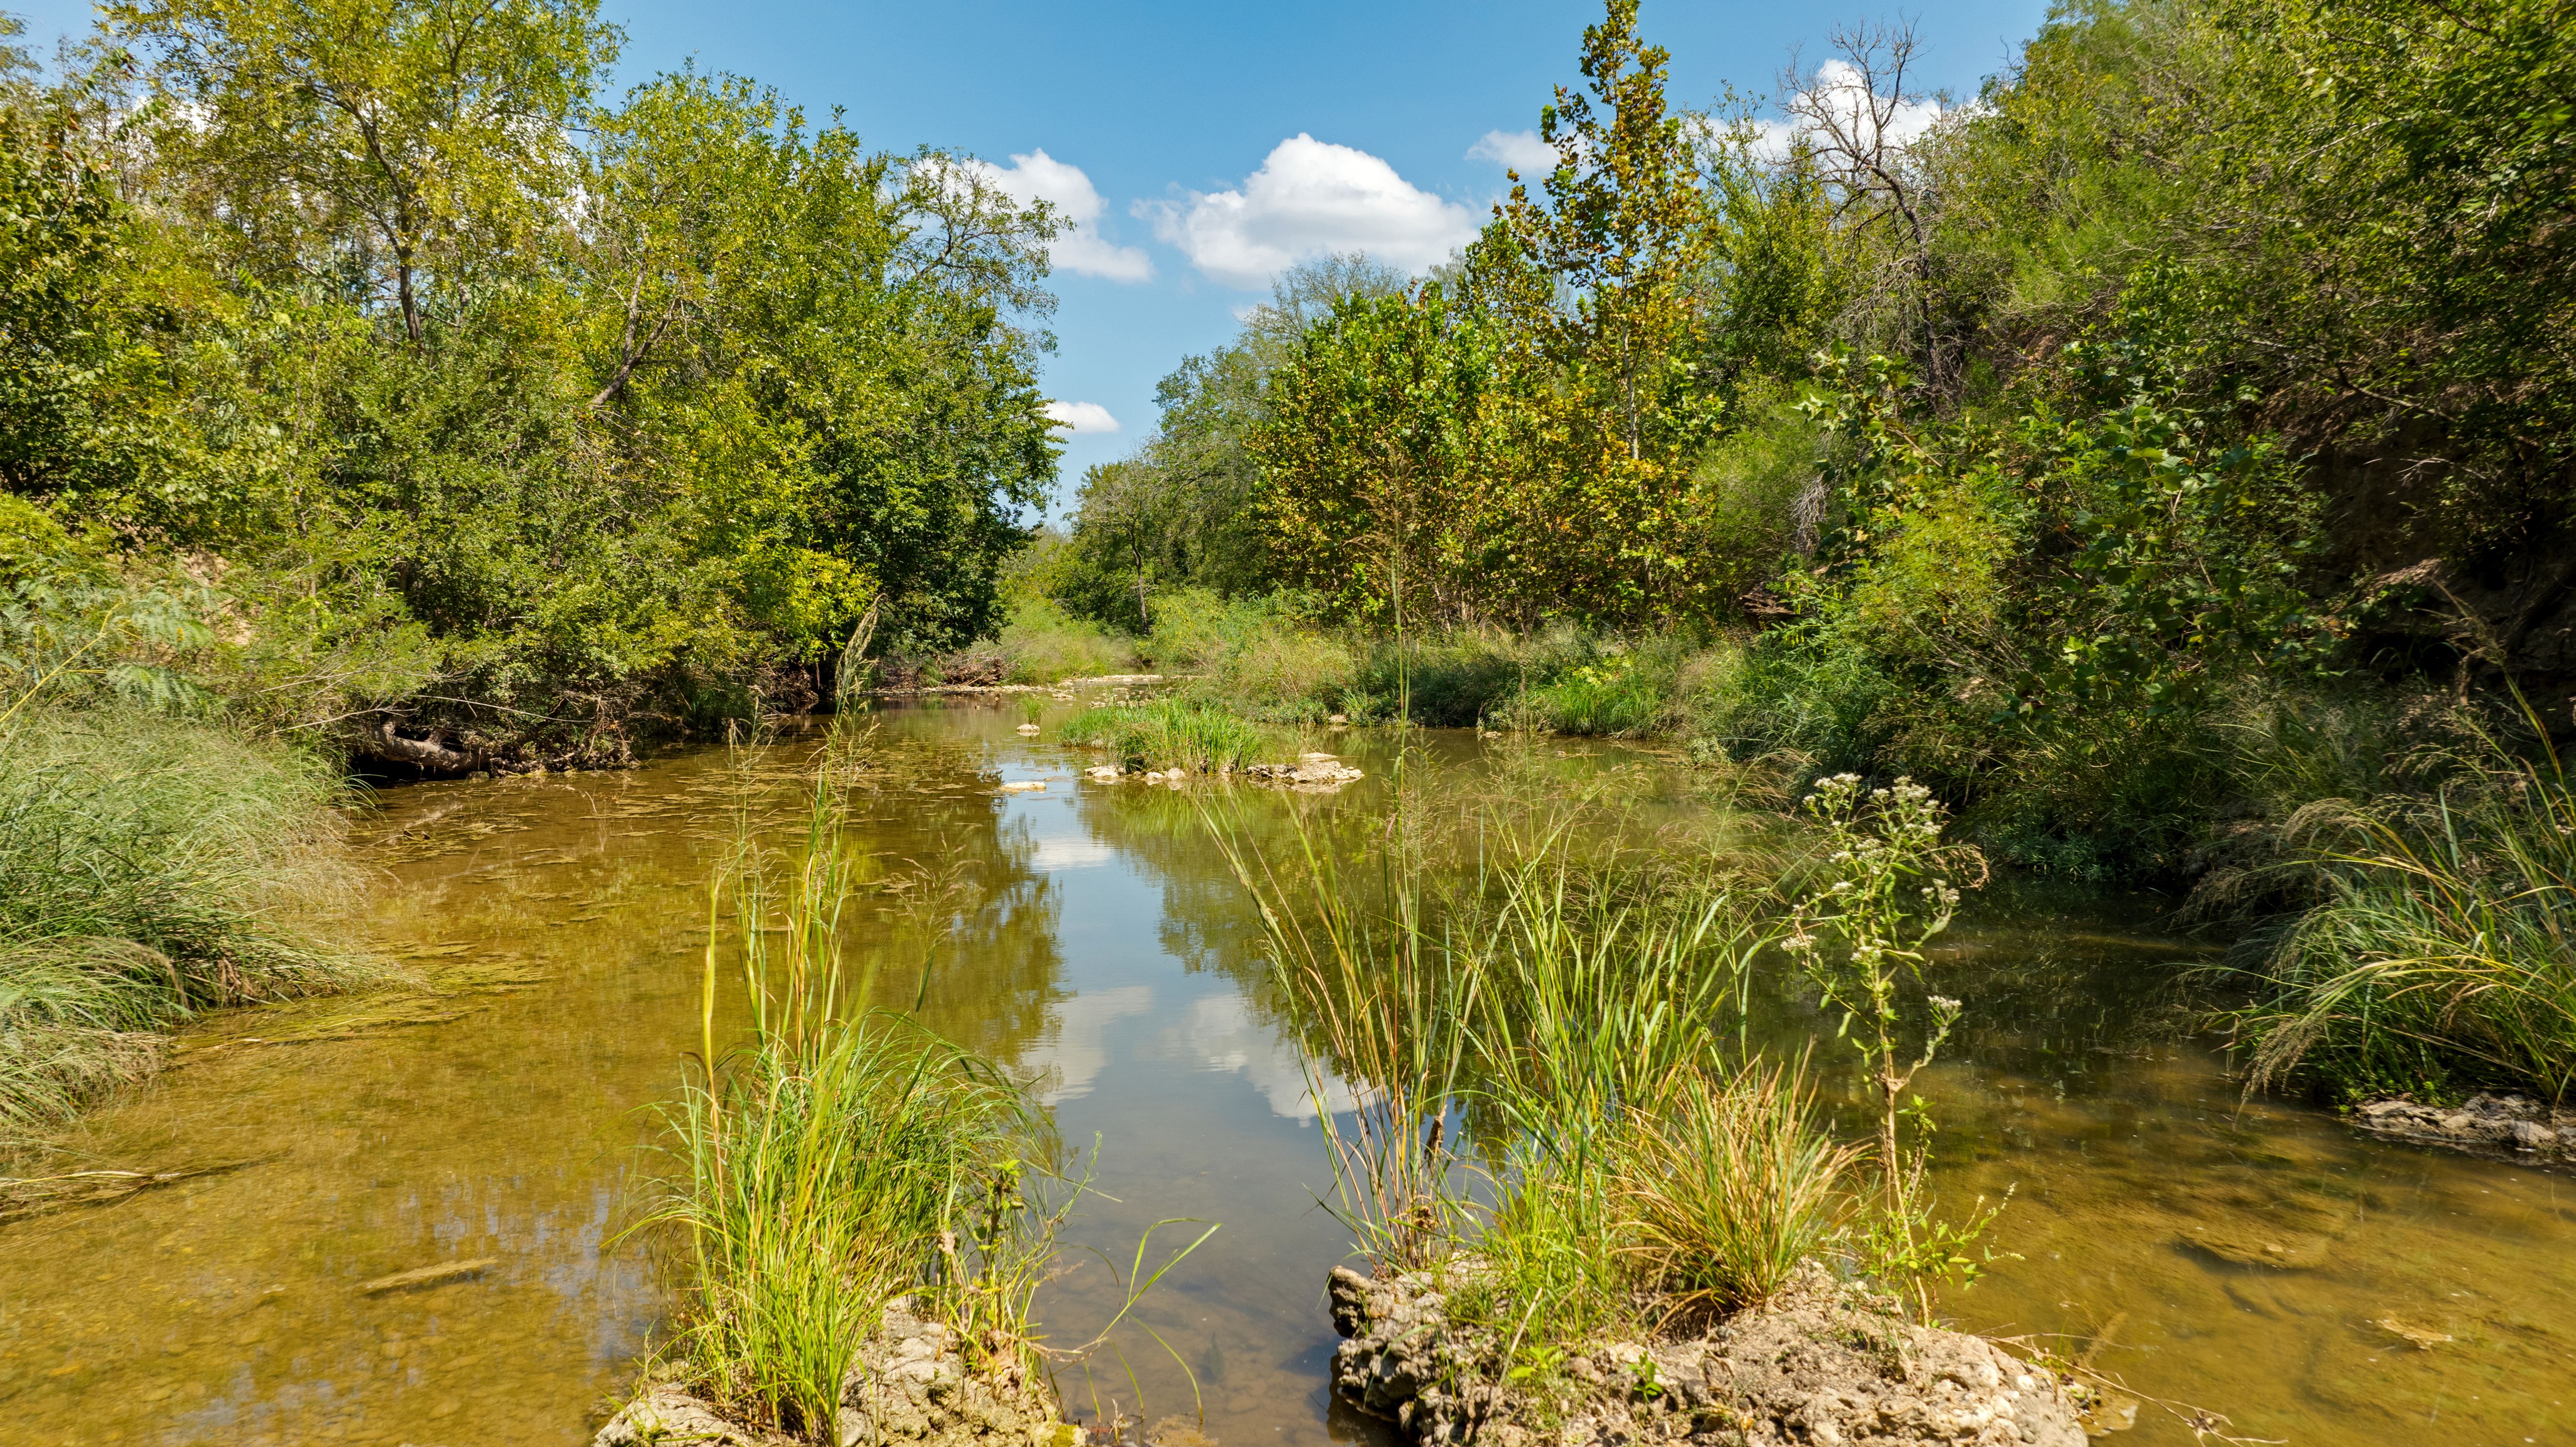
(1169, 732)
(2443, 954)
(1515, 1075)
(1726, 1189)
(839, 1159)
(1042, 643)
(150, 868)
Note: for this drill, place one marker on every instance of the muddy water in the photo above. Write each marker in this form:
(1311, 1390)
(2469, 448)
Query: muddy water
(2261, 1261)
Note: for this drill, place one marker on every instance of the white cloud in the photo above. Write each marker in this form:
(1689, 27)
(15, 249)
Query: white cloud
(1837, 89)
(1082, 418)
(1522, 151)
(1080, 248)
(1076, 1046)
(1310, 198)
(1221, 1035)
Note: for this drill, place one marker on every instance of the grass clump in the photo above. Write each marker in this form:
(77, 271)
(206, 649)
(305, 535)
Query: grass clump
(1726, 1187)
(842, 1157)
(2442, 956)
(1547, 1093)
(150, 868)
(1166, 733)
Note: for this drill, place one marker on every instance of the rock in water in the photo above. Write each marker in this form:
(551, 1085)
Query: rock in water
(911, 1384)
(1827, 1363)
(2498, 1126)
(439, 1275)
(910, 1387)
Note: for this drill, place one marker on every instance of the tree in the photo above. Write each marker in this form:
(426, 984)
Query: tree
(1596, 291)
(379, 146)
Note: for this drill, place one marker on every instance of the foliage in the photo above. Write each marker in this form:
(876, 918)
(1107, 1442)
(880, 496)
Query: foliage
(1183, 511)
(1882, 892)
(1046, 645)
(150, 868)
(487, 407)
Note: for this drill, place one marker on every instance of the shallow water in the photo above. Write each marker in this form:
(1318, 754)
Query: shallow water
(2235, 1258)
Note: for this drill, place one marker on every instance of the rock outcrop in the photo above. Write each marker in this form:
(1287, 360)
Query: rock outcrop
(1314, 773)
(1826, 1364)
(2497, 1126)
(910, 1387)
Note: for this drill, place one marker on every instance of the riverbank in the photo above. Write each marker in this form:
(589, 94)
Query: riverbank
(153, 869)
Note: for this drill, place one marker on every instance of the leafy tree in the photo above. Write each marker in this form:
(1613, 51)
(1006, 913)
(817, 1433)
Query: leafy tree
(375, 145)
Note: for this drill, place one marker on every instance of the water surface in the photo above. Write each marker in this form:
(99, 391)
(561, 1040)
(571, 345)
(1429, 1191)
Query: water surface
(2247, 1258)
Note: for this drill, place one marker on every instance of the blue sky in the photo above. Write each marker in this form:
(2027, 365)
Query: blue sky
(1176, 126)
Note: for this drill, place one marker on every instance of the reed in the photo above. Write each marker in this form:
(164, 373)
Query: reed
(840, 1158)
(1726, 1187)
(2443, 954)
(1530, 1081)
(1167, 733)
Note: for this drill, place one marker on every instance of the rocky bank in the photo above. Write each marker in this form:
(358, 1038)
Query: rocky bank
(910, 1387)
(2501, 1127)
(1827, 1364)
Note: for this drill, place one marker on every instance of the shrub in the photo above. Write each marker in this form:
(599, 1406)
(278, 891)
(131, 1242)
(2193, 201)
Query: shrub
(1042, 643)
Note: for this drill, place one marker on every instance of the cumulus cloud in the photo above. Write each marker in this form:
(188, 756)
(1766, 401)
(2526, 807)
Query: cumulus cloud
(1521, 151)
(1080, 248)
(1310, 198)
(1082, 418)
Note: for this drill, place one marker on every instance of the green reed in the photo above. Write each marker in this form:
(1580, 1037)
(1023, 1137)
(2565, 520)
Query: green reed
(1169, 732)
(1509, 1071)
(844, 1156)
(2443, 954)
(150, 868)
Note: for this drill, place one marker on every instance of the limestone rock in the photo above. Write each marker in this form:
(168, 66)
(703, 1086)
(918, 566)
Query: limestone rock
(1312, 773)
(1827, 1364)
(667, 1415)
(911, 1385)
(2503, 1126)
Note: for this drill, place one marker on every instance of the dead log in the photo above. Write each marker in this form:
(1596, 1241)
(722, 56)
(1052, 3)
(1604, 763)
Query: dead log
(429, 753)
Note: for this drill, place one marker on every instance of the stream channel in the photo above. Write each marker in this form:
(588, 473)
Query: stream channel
(2257, 1258)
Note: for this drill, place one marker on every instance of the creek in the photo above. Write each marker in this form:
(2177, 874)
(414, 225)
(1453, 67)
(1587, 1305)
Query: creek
(2257, 1257)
